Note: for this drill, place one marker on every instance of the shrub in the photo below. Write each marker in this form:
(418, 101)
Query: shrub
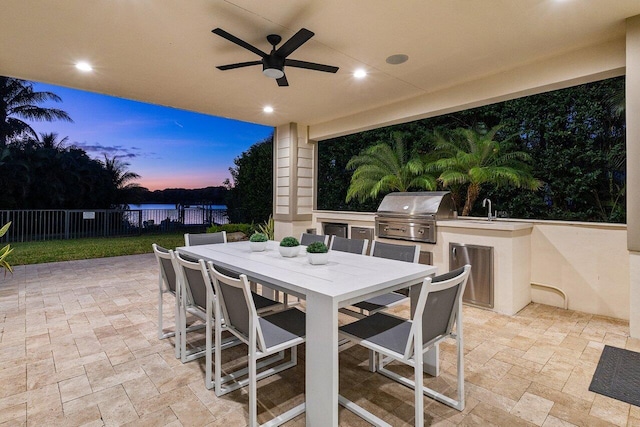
(258, 237)
(289, 242)
(5, 251)
(317, 248)
(247, 229)
(268, 228)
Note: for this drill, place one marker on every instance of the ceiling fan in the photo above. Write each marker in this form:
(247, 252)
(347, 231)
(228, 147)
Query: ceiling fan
(273, 63)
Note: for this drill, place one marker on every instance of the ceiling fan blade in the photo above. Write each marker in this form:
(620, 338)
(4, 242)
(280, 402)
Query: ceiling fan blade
(222, 33)
(238, 65)
(310, 65)
(297, 40)
(282, 81)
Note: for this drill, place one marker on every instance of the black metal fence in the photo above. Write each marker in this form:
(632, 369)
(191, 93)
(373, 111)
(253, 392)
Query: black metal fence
(52, 224)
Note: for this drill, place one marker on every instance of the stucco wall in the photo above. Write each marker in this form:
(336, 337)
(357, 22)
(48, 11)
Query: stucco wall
(589, 262)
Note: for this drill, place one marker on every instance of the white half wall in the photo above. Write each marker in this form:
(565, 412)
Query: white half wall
(589, 262)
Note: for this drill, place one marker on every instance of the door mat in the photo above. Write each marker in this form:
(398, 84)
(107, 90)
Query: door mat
(618, 375)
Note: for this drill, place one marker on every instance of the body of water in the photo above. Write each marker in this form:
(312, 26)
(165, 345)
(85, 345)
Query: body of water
(157, 213)
(172, 206)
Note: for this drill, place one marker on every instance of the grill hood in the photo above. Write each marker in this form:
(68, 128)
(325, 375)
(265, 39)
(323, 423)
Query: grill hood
(412, 216)
(419, 204)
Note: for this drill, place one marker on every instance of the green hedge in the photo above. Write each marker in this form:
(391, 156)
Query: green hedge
(247, 229)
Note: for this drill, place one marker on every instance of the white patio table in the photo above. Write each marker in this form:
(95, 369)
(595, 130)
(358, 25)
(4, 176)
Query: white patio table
(345, 279)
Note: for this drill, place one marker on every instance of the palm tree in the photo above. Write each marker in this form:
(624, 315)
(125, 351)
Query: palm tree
(50, 140)
(19, 101)
(121, 179)
(383, 168)
(472, 157)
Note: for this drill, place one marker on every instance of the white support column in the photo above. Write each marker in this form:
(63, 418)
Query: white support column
(293, 180)
(633, 169)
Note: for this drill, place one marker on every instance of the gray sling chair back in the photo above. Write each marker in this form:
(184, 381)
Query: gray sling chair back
(264, 335)
(205, 238)
(167, 283)
(438, 316)
(194, 282)
(306, 239)
(354, 246)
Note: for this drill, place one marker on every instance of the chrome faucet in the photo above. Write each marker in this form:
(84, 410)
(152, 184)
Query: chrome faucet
(489, 216)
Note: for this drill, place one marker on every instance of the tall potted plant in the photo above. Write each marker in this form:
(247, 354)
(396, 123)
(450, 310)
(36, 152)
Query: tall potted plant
(5, 251)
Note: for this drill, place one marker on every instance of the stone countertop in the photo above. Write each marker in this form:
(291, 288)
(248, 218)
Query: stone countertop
(483, 224)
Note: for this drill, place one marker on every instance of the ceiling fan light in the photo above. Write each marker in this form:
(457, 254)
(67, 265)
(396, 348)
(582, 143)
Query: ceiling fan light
(274, 73)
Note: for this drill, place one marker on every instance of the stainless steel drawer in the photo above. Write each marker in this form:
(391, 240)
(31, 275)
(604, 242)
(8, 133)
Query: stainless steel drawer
(362, 233)
(479, 290)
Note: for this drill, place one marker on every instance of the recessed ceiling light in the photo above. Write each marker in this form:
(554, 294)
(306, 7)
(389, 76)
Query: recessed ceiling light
(84, 66)
(359, 74)
(268, 109)
(397, 59)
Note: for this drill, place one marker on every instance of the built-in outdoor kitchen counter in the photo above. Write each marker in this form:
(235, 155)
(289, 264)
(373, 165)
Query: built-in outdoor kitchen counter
(510, 240)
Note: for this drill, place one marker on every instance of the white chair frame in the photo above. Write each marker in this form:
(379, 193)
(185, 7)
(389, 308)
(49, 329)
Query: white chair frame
(163, 288)
(414, 358)
(187, 306)
(180, 329)
(257, 347)
(215, 344)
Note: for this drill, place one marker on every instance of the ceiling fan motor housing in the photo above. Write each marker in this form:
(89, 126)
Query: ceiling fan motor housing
(273, 66)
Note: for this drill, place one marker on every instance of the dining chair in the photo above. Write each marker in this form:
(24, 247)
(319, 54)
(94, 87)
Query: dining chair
(167, 283)
(264, 335)
(354, 246)
(307, 238)
(407, 253)
(437, 316)
(170, 281)
(196, 293)
(194, 283)
(191, 239)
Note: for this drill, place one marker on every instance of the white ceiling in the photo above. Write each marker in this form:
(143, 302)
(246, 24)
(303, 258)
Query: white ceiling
(163, 51)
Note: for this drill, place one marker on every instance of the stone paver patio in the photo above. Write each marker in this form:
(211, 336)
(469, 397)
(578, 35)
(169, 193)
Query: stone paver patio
(78, 346)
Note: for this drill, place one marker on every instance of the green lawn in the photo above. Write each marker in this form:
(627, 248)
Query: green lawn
(67, 250)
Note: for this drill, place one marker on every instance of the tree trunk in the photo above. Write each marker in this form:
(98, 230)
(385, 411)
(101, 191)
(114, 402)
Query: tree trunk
(472, 194)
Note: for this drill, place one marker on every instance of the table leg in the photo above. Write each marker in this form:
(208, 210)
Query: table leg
(322, 361)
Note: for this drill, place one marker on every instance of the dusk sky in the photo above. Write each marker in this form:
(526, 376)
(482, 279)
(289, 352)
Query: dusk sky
(169, 148)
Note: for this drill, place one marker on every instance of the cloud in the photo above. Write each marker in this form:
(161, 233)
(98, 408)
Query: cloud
(118, 151)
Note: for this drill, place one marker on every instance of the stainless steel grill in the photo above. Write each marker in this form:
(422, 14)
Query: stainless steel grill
(413, 215)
